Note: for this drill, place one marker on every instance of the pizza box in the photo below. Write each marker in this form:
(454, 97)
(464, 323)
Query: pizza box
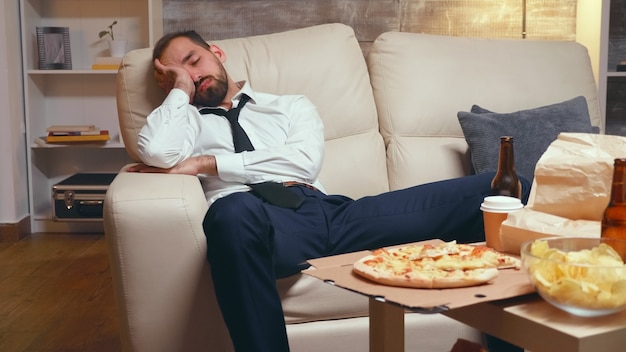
(337, 270)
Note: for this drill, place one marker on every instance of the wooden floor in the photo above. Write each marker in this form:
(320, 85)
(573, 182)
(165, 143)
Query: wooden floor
(56, 295)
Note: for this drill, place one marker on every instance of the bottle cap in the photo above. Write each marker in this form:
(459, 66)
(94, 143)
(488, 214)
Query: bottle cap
(501, 204)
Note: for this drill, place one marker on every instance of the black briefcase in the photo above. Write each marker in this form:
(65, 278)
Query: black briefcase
(80, 197)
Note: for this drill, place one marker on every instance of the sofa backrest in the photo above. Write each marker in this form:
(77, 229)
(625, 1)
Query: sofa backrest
(324, 63)
(421, 81)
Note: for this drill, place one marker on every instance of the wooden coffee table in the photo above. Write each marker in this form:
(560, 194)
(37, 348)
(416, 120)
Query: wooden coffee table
(526, 321)
(535, 325)
(518, 315)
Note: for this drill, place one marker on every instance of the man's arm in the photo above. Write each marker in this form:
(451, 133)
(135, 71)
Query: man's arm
(168, 136)
(170, 132)
(203, 164)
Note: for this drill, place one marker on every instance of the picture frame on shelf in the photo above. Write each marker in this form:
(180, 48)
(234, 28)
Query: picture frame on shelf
(53, 48)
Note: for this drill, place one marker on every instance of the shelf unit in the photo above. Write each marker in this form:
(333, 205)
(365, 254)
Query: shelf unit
(611, 83)
(76, 96)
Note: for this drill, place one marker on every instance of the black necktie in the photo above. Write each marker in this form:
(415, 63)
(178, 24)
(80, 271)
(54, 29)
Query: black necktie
(273, 192)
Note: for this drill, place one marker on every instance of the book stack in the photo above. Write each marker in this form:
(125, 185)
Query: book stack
(107, 63)
(76, 133)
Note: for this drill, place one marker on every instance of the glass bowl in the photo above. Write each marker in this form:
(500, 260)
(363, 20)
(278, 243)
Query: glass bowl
(582, 276)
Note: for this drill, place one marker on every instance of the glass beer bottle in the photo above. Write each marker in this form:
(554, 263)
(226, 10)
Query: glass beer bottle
(614, 217)
(506, 182)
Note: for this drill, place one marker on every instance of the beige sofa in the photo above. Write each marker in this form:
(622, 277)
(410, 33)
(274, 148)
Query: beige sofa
(390, 122)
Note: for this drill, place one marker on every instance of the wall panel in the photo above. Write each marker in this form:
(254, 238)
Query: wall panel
(222, 19)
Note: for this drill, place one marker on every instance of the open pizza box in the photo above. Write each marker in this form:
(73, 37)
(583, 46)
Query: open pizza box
(337, 270)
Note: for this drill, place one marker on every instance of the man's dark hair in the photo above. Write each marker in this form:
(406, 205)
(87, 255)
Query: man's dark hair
(162, 43)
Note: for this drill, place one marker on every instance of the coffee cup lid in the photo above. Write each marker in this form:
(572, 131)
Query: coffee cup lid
(501, 204)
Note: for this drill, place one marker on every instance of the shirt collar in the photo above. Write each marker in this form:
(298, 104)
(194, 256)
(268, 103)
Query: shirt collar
(245, 89)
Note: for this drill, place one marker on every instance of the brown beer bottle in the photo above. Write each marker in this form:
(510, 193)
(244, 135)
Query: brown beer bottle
(506, 182)
(614, 217)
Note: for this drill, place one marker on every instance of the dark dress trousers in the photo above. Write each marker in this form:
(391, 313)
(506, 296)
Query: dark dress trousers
(251, 243)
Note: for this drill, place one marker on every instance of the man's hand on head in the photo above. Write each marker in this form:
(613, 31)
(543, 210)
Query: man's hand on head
(203, 164)
(170, 77)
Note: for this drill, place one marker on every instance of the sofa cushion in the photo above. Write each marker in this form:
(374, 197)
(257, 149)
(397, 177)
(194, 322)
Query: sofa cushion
(533, 130)
(422, 81)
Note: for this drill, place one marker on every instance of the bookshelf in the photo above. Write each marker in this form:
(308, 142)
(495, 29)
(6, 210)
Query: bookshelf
(612, 83)
(76, 96)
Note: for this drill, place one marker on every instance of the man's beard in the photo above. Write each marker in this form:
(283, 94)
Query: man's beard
(214, 95)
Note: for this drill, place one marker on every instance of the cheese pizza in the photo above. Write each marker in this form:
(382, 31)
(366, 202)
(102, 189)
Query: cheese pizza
(444, 265)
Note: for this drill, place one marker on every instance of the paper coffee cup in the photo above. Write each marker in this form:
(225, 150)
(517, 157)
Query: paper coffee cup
(495, 210)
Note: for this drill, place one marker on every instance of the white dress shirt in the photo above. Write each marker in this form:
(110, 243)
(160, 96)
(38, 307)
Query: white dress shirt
(286, 132)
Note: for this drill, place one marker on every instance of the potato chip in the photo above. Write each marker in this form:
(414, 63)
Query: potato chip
(618, 292)
(539, 248)
(567, 289)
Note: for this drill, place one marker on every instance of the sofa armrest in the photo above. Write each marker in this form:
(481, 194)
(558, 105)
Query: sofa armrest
(157, 248)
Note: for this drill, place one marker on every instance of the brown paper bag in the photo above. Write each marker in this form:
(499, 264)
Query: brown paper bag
(573, 177)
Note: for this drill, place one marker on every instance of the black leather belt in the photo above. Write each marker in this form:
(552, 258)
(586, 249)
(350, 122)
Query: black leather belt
(294, 183)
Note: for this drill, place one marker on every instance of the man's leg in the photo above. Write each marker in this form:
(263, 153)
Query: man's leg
(239, 250)
(251, 243)
(448, 210)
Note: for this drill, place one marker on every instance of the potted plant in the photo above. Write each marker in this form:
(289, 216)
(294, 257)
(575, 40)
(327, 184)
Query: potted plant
(108, 31)
(117, 47)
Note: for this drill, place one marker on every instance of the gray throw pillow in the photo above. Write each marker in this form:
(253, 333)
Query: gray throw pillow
(533, 130)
